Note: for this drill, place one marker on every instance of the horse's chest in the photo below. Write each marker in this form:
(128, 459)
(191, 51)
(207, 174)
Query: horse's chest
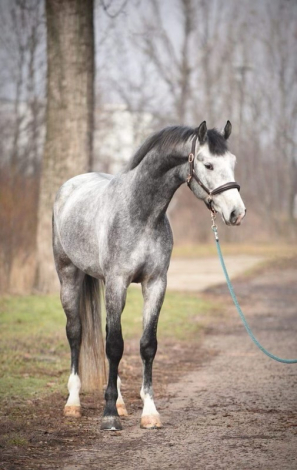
(146, 261)
(135, 256)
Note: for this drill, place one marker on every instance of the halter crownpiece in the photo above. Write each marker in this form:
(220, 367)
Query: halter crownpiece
(212, 192)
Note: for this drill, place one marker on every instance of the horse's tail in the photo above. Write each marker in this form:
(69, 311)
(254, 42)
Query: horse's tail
(92, 368)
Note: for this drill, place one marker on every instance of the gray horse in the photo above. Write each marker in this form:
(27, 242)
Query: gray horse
(115, 229)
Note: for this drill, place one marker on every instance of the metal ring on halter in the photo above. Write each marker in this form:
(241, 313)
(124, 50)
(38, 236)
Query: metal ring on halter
(209, 204)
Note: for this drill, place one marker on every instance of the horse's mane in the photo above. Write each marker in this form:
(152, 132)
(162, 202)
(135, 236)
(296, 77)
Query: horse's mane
(171, 136)
(167, 137)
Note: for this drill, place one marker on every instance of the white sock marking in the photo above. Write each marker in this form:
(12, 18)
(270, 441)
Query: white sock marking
(74, 385)
(120, 400)
(149, 407)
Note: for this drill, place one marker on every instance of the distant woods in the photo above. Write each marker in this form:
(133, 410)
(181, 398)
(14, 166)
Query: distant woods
(22, 111)
(169, 62)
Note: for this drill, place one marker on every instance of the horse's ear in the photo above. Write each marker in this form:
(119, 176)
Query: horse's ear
(227, 130)
(202, 132)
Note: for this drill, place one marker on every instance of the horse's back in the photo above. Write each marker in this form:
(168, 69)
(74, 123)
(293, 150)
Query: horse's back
(81, 187)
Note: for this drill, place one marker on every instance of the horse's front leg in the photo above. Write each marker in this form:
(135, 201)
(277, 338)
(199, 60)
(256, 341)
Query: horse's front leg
(153, 294)
(115, 295)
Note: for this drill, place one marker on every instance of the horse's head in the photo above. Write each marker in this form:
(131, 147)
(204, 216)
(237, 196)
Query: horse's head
(212, 173)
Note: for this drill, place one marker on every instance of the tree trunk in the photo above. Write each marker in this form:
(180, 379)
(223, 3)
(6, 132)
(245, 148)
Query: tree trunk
(69, 116)
(68, 145)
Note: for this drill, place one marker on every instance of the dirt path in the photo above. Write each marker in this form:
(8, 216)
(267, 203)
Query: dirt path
(234, 408)
(237, 411)
(196, 275)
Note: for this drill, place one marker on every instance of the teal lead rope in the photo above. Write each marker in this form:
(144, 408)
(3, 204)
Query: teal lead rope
(230, 287)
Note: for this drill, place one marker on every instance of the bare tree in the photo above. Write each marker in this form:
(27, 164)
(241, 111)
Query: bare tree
(172, 64)
(282, 51)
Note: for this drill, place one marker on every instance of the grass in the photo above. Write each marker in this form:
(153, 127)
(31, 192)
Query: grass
(34, 352)
(178, 317)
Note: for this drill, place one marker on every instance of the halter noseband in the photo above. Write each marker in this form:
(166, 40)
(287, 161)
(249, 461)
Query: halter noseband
(213, 192)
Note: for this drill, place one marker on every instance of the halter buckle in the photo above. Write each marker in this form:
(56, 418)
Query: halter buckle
(191, 158)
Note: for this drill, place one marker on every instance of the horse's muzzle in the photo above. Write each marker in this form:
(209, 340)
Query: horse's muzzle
(235, 219)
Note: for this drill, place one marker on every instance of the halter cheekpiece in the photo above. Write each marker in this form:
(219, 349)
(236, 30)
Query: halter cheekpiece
(213, 192)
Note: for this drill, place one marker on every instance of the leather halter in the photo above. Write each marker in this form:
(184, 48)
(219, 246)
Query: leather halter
(212, 192)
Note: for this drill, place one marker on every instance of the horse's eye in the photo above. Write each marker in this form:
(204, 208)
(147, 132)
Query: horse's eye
(209, 166)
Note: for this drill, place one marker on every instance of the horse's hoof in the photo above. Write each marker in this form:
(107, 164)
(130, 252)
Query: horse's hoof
(150, 422)
(73, 411)
(111, 423)
(122, 410)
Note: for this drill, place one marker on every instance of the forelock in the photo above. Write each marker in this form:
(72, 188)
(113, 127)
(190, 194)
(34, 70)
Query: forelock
(216, 142)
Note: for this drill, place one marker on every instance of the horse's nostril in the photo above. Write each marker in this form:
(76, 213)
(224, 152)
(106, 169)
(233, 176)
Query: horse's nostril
(233, 216)
(236, 217)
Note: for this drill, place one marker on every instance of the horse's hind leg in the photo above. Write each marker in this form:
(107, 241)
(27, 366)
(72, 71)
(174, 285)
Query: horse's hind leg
(115, 298)
(153, 293)
(71, 279)
(70, 298)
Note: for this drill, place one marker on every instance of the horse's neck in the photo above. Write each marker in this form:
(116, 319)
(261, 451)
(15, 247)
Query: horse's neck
(155, 183)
